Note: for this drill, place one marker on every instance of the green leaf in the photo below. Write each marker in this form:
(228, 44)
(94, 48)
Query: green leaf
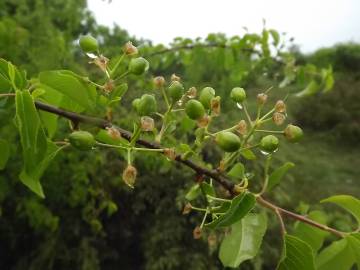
(248, 154)
(354, 242)
(37, 150)
(10, 77)
(347, 202)
(31, 178)
(336, 256)
(244, 240)
(49, 121)
(118, 92)
(193, 193)
(240, 207)
(275, 36)
(237, 171)
(276, 176)
(296, 255)
(71, 86)
(327, 79)
(312, 88)
(310, 234)
(4, 153)
(208, 189)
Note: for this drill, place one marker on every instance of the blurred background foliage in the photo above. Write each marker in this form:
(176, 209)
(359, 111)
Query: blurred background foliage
(90, 220)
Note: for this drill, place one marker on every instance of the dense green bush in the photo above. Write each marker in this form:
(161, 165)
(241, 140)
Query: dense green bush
(318, 113)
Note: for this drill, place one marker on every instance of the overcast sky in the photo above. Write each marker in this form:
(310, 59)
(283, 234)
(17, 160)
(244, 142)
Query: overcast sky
(313, 23)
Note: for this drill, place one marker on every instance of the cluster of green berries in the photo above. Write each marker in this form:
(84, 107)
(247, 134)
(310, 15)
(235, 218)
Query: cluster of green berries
(137, 66)
(201, 109)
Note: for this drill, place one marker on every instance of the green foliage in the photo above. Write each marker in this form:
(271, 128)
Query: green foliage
(296, 255)
(342, 254)
(349, 203)
(64, 82)
(313, 236)
(244, 240)
(240, 206)
(37, 150)
(317, 113)
(276, 176)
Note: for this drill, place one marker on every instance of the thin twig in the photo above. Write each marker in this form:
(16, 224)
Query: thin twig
(193, 46)
(295, 216)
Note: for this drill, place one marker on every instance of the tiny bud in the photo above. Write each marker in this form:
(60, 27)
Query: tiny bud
(174, 78)
(212, 240)
(130, 49)
(109, 86)
(109, 114)
(278, 118)
(192, 92)
(262, 98)
(293, 133)
(197, 232)
(170, 153)
(159, 81)
(237, 189)
(221, 167)
(101, 62)
(203, 121)
(215, 106)
(129, 175)
(280, 106)
(147, 123)
(242, 127)
(187, 209)
(113, 133)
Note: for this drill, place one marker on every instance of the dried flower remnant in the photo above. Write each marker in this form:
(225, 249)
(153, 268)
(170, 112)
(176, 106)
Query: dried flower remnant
(129, 175)
(147, 123)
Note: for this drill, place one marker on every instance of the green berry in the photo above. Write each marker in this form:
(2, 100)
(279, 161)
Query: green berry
(194, 109)
(228, 141)
(88, 44)
(82, 140)
(135, 103)
(138, 66)
(238, 94)
(269, 143)
(147, 105)
(176, 91)
(293, 133)
(206, 96)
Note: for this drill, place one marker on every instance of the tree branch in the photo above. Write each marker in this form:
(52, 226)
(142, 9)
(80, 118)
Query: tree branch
(101, 123)
(193, 46)
(295, 216)
(201, 171)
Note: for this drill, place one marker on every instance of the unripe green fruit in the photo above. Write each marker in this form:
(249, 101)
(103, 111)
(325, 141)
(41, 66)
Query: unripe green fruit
(135, 103)
(238, 94)
(206, 96)
(147, 105)
(176, 90)
(269, 143)
(88, 44)
(194, 109)
(138, 66)
(82, 140)
(293, 133)
(228, 141)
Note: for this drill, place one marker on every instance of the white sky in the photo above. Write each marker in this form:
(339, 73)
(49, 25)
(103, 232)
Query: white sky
(313, 23)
